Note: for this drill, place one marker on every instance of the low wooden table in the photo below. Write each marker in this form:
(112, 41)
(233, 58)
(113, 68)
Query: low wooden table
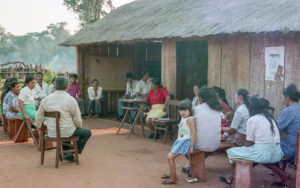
(130, 108)
(22, 130)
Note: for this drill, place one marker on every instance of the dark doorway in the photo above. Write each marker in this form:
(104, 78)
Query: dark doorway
(192, 67)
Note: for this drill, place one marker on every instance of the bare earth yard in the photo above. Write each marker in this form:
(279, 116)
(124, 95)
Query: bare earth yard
(108, 161)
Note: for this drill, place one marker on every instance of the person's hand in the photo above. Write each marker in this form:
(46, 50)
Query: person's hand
(28, 118)
(139, 98)
(282, 135)
(39, 99)
(165, 108)
(126, 97)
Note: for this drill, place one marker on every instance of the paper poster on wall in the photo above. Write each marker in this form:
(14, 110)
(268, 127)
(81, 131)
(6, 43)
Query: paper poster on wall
(274, 59)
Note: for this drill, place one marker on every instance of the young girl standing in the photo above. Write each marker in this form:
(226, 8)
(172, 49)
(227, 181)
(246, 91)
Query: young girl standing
(185, 141)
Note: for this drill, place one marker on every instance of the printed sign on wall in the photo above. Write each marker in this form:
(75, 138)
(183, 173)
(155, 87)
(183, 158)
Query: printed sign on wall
(274, 59)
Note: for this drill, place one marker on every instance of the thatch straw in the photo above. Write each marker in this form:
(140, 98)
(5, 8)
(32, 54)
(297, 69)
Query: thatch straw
(160, 19)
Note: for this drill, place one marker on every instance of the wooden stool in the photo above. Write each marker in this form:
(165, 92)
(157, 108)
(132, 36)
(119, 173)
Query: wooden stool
(197, 164)
(5, 124)
(16, 128)
(242, 173)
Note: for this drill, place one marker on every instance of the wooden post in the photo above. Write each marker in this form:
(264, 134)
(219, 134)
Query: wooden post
(197, 164)
(169, 66)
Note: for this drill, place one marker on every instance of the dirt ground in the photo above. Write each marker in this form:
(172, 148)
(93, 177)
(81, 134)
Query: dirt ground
(110, 161)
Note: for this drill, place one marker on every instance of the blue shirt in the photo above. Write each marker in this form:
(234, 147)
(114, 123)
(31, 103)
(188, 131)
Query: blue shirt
(289, 122)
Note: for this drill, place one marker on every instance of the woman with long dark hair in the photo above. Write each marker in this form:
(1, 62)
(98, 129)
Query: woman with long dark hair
(263, 138)
(208, 120)
(237, 130)
(222, 99)
(158, 97)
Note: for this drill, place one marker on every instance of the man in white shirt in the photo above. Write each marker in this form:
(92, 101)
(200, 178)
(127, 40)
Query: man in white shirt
(70, 116)
(95, 95)
(144, 85)
(130, 93)
(41, 89)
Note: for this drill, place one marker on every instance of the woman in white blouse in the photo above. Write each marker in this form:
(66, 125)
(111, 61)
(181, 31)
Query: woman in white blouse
(263, 138)
(26, 100)
(95, 95)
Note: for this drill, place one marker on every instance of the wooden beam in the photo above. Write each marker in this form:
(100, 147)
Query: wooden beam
(214, 62)
(169, 66)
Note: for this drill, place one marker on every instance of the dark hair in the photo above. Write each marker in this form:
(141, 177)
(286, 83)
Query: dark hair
(259, 105)
(221, 93)
(53, 80)
(292, 92)
(39, 73)
(186, 105)
(12, 85)
(28, 79)
(95, 80)
(61, 83)
(208, 95)
(145, 72)
(245, 94)
(129, 75)
(74, 76)
(156, 82)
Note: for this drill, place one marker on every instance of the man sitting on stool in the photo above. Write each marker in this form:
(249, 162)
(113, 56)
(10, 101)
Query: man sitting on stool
(70, 121)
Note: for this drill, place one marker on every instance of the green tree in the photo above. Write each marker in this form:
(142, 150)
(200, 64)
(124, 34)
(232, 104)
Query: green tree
(48, 77)
(89, 11)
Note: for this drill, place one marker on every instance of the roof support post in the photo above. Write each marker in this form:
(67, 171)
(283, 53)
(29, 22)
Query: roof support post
(169, 66)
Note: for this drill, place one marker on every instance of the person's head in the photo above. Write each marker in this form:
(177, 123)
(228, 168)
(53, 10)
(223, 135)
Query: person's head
(155, 83)
(259, 105)
(39, 76)
(29, 81)
(73, 78)
(242, 97)
(196, 89)
(13, 79)
(185, 108)
(129, 77)
(61, 83)
(208, 95)
(95, 83)
(229, 117)
(6, 83)
(220, 93)
(15, 87)
(291, 95)
(53, 80)
(146, 75)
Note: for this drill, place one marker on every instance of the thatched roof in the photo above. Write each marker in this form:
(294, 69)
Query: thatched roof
(159, 19)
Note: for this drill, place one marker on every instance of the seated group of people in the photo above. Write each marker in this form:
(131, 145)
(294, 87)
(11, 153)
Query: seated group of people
(208, 120)
(36, 97)
(252, 128)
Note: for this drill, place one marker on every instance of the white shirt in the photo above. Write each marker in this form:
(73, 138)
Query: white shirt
(27, 95)
(130, 88)
(208, 128)
(41, 92)
(143, 87)
(184, 131)
(240, 119)
(51, 89)
(259, 130)
(195, 102)
(70, 116)
(92, 93)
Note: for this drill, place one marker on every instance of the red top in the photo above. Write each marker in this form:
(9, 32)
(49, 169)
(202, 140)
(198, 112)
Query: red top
(158, 97)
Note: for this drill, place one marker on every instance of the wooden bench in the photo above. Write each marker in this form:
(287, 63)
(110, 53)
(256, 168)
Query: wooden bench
(5, 124)
(242, 173)
(197, 160)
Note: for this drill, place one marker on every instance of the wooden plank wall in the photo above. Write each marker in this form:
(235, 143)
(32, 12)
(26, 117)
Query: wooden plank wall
(168, 70)
(242, 65)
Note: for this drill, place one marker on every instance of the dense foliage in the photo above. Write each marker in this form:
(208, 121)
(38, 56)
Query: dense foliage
(39, 48)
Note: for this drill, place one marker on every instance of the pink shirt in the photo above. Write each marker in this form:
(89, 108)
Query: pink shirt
(74, 89)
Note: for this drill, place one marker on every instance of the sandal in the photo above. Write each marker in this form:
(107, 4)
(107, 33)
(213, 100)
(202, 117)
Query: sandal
(165, 177)
(191, 180)
(225, 180)
(167, 182)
